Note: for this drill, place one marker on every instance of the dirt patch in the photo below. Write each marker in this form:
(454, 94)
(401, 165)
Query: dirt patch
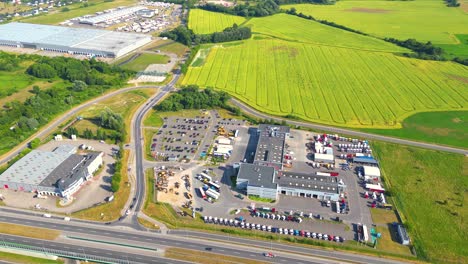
(368, 10)
(292, 51)
(458, 78)
(437, 131)
(457, 120)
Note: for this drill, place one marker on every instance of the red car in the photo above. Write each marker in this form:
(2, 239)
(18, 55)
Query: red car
(269, 255)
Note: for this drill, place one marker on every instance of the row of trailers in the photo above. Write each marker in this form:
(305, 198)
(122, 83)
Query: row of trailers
(210, 189)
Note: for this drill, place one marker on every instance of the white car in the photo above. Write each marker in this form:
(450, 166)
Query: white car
(128, 212)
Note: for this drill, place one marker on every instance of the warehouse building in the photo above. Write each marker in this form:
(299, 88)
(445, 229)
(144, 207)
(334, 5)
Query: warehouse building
(57, 173)
(266, 182)
(80, 41)
(270, 147)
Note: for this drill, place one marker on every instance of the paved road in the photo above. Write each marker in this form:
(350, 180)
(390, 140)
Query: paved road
(110, 234)
(91, 253)
(56, 122)
(255, 113)
(182, 239)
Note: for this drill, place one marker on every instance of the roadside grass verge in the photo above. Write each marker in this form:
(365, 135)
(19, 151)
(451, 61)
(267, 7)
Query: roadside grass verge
(110, 211)
(153, 119)
(206, 257)
(429, 190)
(147, 224)
(148, 135)
(16, 258)
(27, 231)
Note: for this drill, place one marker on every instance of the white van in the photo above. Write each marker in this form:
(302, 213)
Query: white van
(66, 218)
(47, 215)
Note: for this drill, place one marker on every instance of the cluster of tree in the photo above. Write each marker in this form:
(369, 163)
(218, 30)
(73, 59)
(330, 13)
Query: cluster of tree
(191, 97)
(425, 51)
(9, 62)
(117, 177)
(259, 9)
(293, 11)
(463, 61)
(186, 36)
(452, 3)
(111, 120)
(88, 71)
(317, 2)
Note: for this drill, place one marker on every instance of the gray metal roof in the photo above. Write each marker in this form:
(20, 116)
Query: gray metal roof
(65, 149)
(93, 39)
(270, 144)
(308, 182)
(65, 171)
(34, 167)
(261, 176)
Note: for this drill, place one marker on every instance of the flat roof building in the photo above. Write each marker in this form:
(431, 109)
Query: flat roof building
(57, 173)
(270, 147)
(90, 42)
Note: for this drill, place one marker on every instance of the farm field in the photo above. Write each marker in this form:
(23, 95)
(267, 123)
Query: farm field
(422, 20)
(314, 83)
(429, 188)
(75, 11)
(457, 50)
(298, 29)
(142, 61)
(205, 22)
(446, 128)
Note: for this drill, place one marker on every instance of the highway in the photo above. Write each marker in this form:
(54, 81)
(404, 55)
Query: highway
(249, 110)
(227, 245)
(88, 252)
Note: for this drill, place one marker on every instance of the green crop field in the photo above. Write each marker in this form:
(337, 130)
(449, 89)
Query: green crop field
(429, 188)
(205, 22)
(297, 29)
(142, 61)
(76, 10)
(422, 20)
(338, 86)
(457, 50)
(447, 128)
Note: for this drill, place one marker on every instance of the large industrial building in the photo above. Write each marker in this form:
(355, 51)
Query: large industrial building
(265, 177)
(113, 15)
(80, 41)
(57, 173)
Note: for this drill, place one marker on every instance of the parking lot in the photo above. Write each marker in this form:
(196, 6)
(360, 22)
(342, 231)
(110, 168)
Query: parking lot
(179, 138)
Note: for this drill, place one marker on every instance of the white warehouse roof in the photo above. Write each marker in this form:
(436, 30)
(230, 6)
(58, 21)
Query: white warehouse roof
(92, 41)
(371, 171)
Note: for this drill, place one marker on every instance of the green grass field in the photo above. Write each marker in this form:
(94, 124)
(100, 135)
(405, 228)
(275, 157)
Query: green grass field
(447, 128)
(422, 20)
(429, 188)
(337, 86)
(457, 50)
(142, 61)
(297, 29)
(58, 16)
(169, 46)
(205, 22)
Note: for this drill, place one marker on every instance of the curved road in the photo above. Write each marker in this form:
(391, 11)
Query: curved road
(249, 110)
(57, 121)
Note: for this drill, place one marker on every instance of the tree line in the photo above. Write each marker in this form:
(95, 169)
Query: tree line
(259, 8)
(187, 37)
(452, 3)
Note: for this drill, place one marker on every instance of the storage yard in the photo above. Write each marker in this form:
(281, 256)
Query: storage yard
(146, 17)
(71, 41)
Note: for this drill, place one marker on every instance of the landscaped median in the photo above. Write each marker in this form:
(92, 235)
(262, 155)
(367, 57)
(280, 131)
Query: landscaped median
(27, 231)
(206, 257)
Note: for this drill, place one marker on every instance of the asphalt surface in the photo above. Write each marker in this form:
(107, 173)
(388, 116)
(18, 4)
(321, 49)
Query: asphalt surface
(179, 238)
(90, 253)
(255, 113)
(56, 122)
